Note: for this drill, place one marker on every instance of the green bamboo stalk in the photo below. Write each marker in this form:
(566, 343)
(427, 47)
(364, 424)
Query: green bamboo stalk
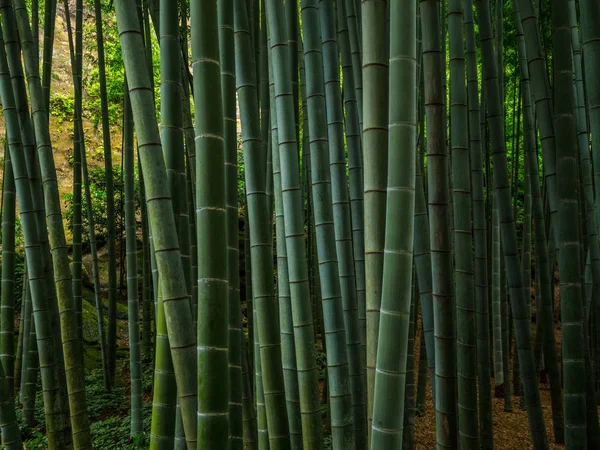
(147, 303)
(227, 58)
(148, 291)
(333, 302)
(164, 399)
(589, 14)
(591, 236)
(375, 138)
(353, 130)
(35, 24)
(68, 324)
(496, 301)
(540, 92)
(292, 33)
(11, 434)
(213, 376)
(508, 232)
(251, 326)
(19, 354)
(7, 333)
(160, 212)
(341, 210)
(545, 292)
(439, 218)
(479, 234)
(422, 375)
(572, 315)
(288, 346)
(302, 318)
(49, 28)
(463, 234)
(525, 264)
(76, 255)
(111, 332)
(394, 328)
(268, 356)
(408, 438)
(422, 252)
(30, 387)
(75, 65)
(54, 428)
(26, 300)
(507, 325)
(544, 289)
(132, 274)
(262, 68)
(173, 151)
(248, 414)
(353, 17)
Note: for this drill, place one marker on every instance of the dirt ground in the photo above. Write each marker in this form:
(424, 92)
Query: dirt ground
(511, 429)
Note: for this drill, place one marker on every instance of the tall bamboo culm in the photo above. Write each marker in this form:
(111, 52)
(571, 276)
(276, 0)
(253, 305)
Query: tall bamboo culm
(375, 141)
(397, 290)
(440, 237)
(521, 320)
(182, 338)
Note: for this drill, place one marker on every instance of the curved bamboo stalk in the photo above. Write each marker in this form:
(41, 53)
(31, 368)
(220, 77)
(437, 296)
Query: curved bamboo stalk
(544, 292)
(79, 135)
(521, 321)
(342, 213)
(331, 283)
(294, 226)
(540, 91)
(375, 142)
(182, 339)
(288, 346)
(54, 428)
(268, 356)
(355, 174)
(394, 327)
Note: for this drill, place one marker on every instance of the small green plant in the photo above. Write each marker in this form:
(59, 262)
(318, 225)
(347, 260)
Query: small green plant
(62, 106)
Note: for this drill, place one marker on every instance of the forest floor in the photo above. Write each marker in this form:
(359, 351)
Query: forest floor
(511, 429)
(109, 411)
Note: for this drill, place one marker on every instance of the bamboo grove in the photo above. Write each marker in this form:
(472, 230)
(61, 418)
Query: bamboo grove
(406, 189)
